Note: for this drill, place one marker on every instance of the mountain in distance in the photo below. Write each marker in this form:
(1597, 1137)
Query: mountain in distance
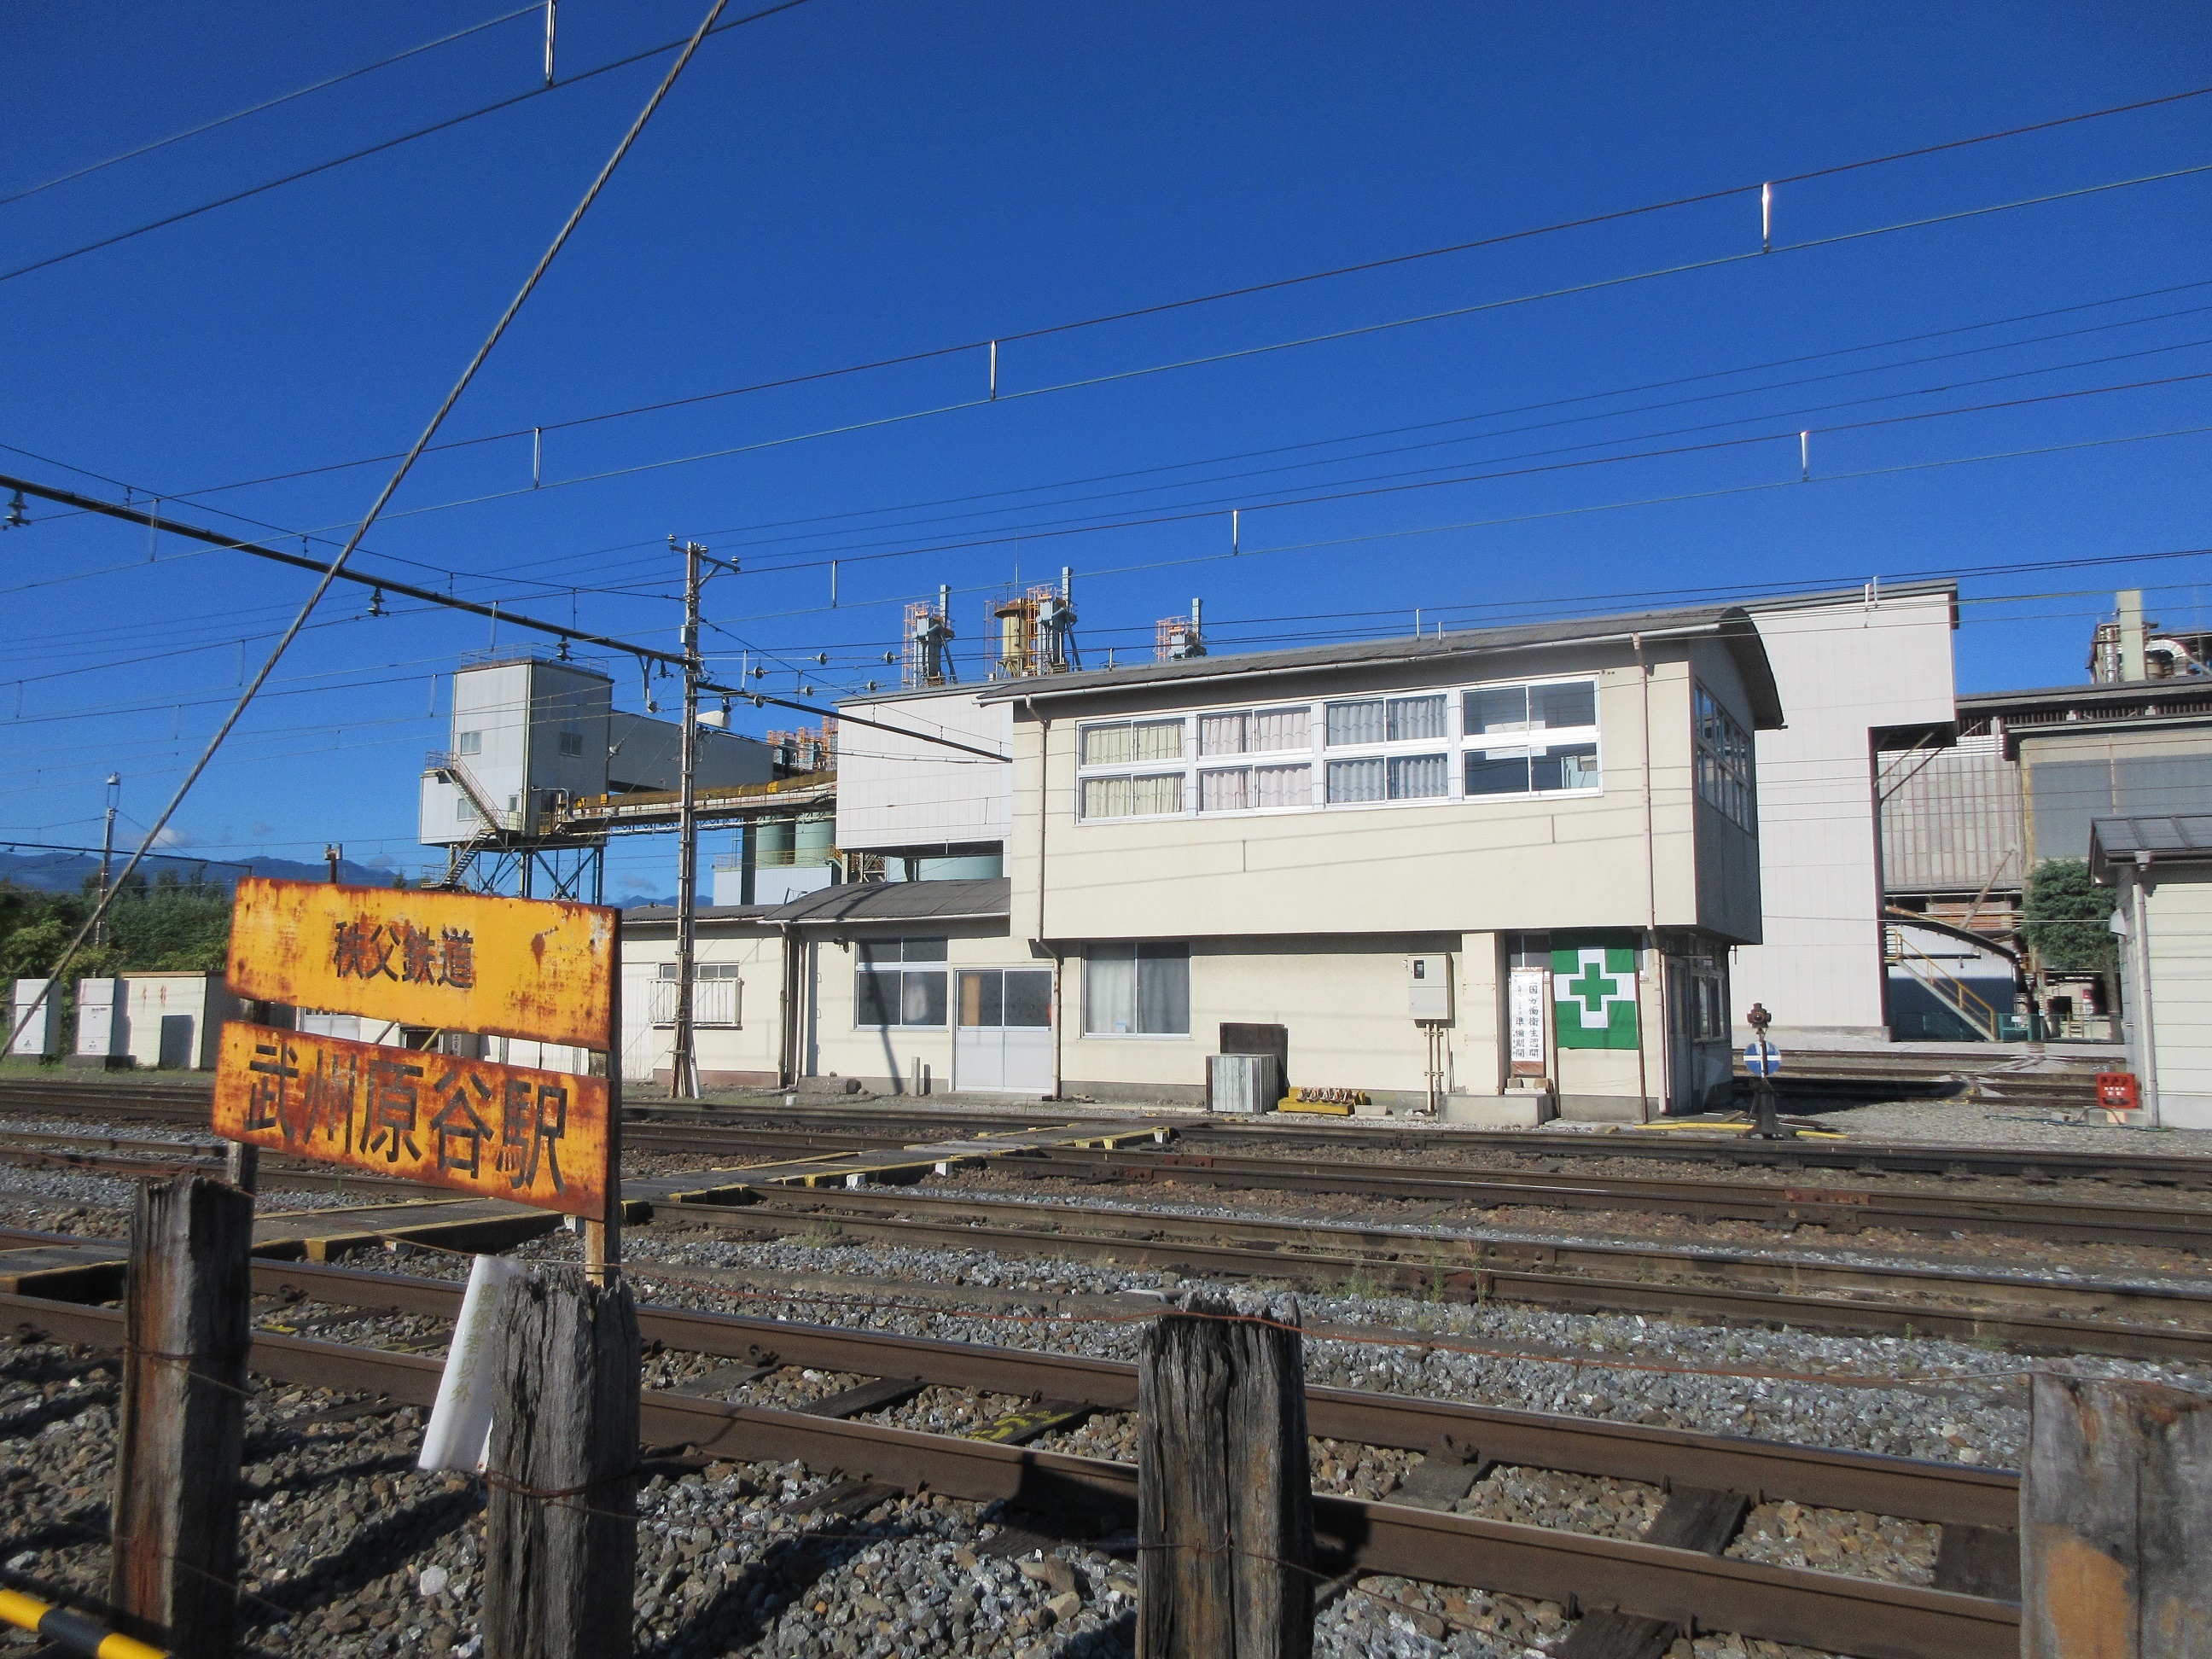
(66, 873)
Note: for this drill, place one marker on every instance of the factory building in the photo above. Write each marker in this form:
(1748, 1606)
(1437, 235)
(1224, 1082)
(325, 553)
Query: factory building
(534, 737)
(1496, 873)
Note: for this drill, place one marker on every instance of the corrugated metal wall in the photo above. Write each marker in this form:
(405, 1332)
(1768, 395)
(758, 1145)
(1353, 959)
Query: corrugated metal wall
(1951, 822)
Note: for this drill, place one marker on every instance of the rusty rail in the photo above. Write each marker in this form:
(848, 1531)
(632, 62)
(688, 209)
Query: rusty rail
(1783, 1604)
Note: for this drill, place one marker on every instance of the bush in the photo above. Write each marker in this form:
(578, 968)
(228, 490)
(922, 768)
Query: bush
(2069, 919)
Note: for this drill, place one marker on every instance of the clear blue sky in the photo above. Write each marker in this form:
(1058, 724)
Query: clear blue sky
(851, 181)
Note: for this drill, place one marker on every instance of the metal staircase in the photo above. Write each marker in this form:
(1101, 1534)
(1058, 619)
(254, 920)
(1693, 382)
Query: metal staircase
(1961, 998)
(491, 822)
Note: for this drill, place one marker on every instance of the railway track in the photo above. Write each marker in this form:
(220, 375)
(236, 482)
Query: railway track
(2039, 1314)
(1819, 1610)
(715, 1130)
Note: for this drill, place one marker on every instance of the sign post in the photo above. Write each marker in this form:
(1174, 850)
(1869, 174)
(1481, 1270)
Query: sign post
(543, 971)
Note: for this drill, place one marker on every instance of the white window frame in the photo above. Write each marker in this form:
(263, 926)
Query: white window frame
(941, 965)
(1092, 952)
(717, 996)
(1453, 746)
(468, 743)
(1133, 770)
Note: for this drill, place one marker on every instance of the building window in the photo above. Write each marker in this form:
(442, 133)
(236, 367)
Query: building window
(1244, 788)
(889, 989)
(465, 811)
(1724, 775)
(1158, 795)
(1125, 742)
(468, 742)
(572, 744)
(1255, 731)
(1564, 712)
(715, 993)
(1136, 990)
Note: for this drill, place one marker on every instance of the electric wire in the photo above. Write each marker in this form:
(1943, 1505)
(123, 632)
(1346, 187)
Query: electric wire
(429, 431)
(383, 145)
(1131, 313)
(268, 104)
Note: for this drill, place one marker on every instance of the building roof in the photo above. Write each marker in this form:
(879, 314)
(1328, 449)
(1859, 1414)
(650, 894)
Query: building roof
(2115, 700)
(705, 912)
(2168, 840)
(1873, 592)
(983, 900)
(1731, 623)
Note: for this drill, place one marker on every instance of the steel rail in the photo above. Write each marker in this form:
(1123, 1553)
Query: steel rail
(1142, 1240)
(2085, 1220)
(1824, 1611)
(736, 1122)
(1944, 1493)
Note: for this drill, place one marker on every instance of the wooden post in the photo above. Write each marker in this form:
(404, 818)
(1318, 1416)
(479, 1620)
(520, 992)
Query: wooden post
(2115, 1522)
(186, 1333)
(560, 1543)
(1224, 1501)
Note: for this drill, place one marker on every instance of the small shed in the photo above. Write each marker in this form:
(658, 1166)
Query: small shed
(2161, 869)
(173, 1021)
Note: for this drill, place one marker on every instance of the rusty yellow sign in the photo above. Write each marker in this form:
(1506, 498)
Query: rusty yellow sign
(537, 1138)
(458, 962)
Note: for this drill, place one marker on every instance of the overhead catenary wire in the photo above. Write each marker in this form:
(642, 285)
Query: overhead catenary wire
(331, 576)
(148, 149)
(378, 148)
(1130, 314)
(1331, 337)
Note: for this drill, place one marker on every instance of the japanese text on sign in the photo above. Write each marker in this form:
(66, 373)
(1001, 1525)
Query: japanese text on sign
(537, 1138)
(464, 962)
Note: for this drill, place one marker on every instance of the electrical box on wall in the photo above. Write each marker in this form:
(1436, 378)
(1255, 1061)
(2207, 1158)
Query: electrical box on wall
(1429, 979)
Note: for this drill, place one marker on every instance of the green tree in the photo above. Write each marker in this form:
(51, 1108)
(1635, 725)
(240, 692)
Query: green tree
(2067, 918)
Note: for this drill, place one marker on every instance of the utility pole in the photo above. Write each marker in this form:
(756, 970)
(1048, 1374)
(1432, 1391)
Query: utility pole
(107, 844)
(683, 1062)
(332, 854)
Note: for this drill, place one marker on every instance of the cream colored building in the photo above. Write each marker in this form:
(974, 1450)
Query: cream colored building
(2162, 868)
(1492, 871)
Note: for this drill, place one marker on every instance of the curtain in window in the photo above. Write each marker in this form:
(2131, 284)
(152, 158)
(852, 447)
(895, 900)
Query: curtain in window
(1415, 776)
(1159, 740)
(1221, 734)
(1103, 746)
(1163, 989)
(1355, 780)
(1105, 797)
(1498, 709)
(1109, 990)
(1416, 719)
(1225, 792)
(921, 999)
(1152, 796)
(1282, 786)
(1555, 706)
(1282, 728)
(1355, 722)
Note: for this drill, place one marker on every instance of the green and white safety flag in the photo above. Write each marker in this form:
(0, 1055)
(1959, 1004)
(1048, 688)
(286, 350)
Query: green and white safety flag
(1594, 990)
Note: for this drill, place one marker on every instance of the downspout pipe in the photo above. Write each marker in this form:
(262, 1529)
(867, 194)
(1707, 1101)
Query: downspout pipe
(1039, 939)
(2145, 1043)
(1650, 883)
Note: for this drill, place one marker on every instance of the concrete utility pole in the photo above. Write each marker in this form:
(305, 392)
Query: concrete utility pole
(332, 854)
(684, 1060)
(107, 844)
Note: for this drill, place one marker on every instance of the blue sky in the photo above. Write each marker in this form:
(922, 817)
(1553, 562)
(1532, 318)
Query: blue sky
(849, 182)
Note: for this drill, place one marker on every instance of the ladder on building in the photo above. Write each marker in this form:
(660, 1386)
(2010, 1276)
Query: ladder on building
(1945, 986)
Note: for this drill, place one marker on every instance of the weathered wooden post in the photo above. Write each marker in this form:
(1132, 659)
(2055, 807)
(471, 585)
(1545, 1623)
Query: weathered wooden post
(187, 1334)
(1224, 1502)
(560, 1538)
(2115, 1522)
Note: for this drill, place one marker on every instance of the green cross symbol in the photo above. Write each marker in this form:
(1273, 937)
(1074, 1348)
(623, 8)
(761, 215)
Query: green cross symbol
(1594, 987)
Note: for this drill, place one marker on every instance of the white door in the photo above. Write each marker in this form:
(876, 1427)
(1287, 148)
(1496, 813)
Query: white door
(1002, 1043)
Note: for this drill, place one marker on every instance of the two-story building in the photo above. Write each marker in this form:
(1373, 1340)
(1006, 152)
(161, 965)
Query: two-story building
(1492, 872)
